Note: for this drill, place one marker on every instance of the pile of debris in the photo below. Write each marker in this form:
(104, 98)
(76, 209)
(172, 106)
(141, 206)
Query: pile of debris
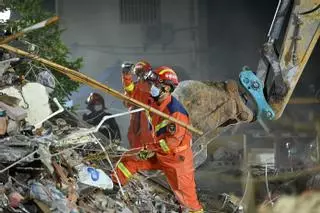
(54, 162)
(51, 161)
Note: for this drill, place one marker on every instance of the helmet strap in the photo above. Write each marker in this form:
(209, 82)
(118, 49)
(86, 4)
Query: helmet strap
(172, 88)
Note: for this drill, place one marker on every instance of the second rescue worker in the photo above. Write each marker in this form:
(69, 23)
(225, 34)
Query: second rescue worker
(139, 132)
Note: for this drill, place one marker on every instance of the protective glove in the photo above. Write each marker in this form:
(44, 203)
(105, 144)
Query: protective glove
(145, 154)
(126, 67)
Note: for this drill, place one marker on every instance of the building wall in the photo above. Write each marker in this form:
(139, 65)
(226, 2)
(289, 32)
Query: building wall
(95, 32)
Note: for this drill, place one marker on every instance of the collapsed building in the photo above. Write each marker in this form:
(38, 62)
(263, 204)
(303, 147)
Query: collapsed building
(52, 161)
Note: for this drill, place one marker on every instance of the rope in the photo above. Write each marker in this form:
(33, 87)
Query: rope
(24, 100)
(267, 184)
(245, 189)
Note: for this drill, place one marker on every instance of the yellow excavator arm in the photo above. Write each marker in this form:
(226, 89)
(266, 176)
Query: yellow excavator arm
(302, 34)
(278, 74)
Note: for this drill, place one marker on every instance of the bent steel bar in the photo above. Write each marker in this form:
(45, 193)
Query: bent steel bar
(28, 29)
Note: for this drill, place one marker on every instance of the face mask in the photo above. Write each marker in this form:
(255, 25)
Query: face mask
(95, 108)
(155, 91)
(98, 107)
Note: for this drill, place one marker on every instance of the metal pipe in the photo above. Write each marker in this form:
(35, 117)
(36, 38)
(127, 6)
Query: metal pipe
(96, 129)
(272, 23)
(278, 20)
(60, 109)
(10, 60)
(18, 161)
(114, 116)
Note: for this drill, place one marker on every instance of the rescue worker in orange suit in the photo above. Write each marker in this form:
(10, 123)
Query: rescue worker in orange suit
(138, 133)
(171, 151)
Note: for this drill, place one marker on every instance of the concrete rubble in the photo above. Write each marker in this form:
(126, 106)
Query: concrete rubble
(51, 161)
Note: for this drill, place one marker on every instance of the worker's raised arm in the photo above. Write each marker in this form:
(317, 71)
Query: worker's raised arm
(138, 89)
(126, 77)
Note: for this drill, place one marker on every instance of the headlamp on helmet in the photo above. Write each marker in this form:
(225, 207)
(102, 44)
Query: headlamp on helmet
(151, 76)
(126, 67)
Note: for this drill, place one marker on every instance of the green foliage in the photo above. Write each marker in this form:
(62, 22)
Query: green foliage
(47, 40)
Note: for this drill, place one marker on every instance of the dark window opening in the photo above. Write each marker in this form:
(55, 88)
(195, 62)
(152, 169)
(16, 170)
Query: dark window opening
(140, 11)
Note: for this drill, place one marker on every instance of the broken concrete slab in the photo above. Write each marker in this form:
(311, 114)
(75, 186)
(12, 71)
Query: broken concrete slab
(15, 113)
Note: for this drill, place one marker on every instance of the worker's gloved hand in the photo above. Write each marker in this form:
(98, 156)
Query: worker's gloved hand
(145, 154)
(126, 67)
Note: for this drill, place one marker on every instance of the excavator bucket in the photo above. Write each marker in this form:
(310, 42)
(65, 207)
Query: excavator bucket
(212, 107)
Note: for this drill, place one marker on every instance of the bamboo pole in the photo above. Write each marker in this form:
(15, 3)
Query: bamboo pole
(77, 76)
(28, 29)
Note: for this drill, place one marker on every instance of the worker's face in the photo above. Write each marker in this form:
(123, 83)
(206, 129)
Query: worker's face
(158, 91)
(95, 107)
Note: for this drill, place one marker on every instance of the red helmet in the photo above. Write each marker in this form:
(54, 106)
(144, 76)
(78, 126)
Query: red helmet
(141, 67)
(167, 75)
(95, 99)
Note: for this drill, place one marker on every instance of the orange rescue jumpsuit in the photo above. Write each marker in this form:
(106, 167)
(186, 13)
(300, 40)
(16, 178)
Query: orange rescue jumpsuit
(139, 132)
(173, 155)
